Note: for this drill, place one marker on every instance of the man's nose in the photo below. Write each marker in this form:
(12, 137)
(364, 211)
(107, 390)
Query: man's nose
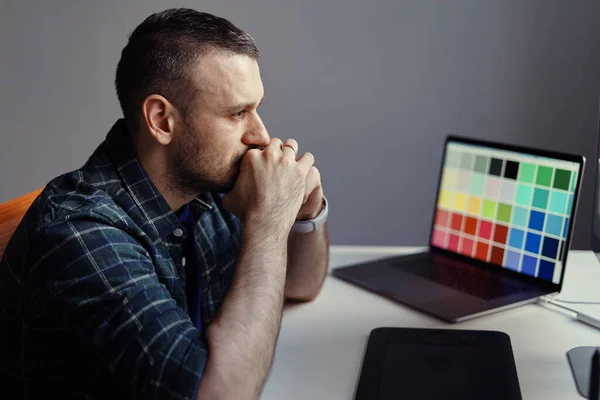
(258, 134)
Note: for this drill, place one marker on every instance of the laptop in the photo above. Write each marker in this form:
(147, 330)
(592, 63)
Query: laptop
(499, 238)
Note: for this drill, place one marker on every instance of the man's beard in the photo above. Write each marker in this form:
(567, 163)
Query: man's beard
(194, 172)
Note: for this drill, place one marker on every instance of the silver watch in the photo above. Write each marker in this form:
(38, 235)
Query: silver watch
(314, 224)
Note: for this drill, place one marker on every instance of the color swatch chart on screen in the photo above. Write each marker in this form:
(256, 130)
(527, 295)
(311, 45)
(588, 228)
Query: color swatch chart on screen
(507, 208)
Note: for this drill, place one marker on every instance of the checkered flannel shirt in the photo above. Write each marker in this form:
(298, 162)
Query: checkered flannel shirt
(92, 291)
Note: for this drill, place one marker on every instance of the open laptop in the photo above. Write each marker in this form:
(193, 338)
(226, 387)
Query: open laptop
(500, 233)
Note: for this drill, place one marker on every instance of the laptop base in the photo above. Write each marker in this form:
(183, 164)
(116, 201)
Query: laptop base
(387, 278)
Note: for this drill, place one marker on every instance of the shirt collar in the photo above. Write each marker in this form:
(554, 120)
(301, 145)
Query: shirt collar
(157, 212)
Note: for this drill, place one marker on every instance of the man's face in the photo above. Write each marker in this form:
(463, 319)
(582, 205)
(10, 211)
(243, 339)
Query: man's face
(221, 125)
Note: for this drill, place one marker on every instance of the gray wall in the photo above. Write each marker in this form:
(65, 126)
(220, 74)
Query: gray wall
(370, 87)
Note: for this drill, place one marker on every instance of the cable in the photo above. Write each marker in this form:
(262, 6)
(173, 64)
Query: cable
(551, 300)
(587, 318)
(576, 302)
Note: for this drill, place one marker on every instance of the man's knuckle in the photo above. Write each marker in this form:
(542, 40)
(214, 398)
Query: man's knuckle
(299, 170)
(253, 154)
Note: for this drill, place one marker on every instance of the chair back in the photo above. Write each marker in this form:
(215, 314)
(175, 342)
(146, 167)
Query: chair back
(11, 214)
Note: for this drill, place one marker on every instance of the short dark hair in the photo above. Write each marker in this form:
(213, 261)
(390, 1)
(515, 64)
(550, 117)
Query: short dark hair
(160, 51)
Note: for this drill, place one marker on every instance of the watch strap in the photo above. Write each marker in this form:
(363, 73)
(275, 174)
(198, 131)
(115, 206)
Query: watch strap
(314, 224)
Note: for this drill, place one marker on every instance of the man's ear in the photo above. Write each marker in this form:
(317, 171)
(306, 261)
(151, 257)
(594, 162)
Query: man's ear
(159, 116)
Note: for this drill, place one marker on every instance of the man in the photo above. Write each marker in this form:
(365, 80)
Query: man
(159, 269)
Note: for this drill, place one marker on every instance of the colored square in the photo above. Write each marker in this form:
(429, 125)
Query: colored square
(453, 243)
(565, 228)
(562, 179)
(492, 187)
(439, 238)
(466, 247)
(441, 218)
(463, 181)
(516, 238)
(519, 216)
(477, 184)
(550, 247)
(536, 220)
(474, 205)
(511, 170)
(496, 167)
(471, 226)
(554, 225)
(508, 190)
(529, 265)
(569, 204)
(573, 181)
(526, 172)
(500, 234)
(512, 260)
(456, 222)
(445, 199)
(460, 202)
(453, 158)
(544, 176)
(540, 198)
(504, 211)
(466, 161)
(481, 164)
(532, 242)
(489, 209)
(497, 255)
(524, 195)
(449, 179)
(481, 253)
(558, 202)
(546, 270)
(485, 230)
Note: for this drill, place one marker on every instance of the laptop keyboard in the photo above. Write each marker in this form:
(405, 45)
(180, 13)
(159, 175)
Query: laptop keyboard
(475, 282)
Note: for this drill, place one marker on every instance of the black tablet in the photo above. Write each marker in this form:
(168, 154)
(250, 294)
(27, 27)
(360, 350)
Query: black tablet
(410, 363)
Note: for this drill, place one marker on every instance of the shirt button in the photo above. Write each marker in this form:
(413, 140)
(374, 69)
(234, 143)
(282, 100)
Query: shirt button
(178, 232)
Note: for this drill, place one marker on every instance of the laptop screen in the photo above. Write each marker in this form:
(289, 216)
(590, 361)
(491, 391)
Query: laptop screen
(507, 208)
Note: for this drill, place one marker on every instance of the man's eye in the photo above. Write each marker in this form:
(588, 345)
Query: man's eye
(239, 114)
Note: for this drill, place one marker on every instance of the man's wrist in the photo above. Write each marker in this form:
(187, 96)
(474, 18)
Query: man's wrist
(314, 215)
(313, 224)
(263, 227)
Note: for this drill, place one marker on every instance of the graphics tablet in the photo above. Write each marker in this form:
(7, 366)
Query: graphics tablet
(409, 363)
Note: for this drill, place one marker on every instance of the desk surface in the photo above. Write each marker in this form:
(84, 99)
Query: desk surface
(322, 343)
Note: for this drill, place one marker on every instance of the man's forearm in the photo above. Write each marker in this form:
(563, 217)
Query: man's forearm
(242, 337)
(308, 262)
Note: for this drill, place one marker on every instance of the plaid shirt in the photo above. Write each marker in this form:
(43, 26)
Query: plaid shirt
(92, 287)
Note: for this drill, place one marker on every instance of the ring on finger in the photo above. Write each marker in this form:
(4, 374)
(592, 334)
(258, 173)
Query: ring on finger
(291, 147)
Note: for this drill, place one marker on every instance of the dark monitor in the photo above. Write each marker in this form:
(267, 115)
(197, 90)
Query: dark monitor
(595, 236)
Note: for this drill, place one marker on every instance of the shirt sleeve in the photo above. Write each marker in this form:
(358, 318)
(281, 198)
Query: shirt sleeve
(100, 282)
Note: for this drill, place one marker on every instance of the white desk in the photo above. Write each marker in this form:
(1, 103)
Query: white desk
(322, 343)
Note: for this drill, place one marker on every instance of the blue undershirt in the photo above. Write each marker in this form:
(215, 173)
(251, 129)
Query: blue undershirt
(191, 268)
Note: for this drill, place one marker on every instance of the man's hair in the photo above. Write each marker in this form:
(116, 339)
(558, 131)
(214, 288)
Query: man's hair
(161, 51)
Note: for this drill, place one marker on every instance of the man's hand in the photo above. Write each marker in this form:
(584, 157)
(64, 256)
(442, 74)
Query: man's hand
(314, 196)
(271, 187)
(312, 203)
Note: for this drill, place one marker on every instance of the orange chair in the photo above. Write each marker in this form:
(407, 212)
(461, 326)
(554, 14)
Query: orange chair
(11, 214)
